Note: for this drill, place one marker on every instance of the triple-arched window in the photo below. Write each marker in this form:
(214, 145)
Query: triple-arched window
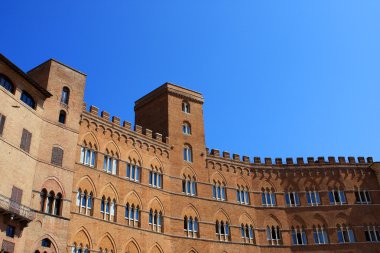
(155, 178)
(155, 220)
(345, 234)
(190, 226)
(189, 185)
(84, 202)
(132, 214)
(219, 191)
(222, 230)
(320, 235)
(88, 156)
(133, 172)
(79, 249)
(298, 236)
(242, 195)
(247, 233)
(312, 197)
(108, 208)
(110, 163)
(51, 203)
(7, 84)
(362, 196)
(292, 199)
(273, 235)
(268, 197)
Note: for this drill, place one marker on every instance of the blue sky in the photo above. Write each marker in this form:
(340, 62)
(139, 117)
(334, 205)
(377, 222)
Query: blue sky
(280, 78)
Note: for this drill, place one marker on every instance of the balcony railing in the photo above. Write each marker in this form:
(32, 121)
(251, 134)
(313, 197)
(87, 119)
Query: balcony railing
(18, 211)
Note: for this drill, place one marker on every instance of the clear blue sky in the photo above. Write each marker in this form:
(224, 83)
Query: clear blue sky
(280, 78)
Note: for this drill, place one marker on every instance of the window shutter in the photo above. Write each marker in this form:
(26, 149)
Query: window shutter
(26, 139)
(57, 156)
(16, 199)
(8, 246)
(2, 122)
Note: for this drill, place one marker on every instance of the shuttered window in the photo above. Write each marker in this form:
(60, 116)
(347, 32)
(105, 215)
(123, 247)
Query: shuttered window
(26, 139)
(57, 156)
(16, 199)
(8, 246)
(2, 122)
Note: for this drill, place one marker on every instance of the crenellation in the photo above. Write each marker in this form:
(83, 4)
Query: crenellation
(341, 160)
(127, 124)
(138, 129)
(289, 161)
(246, 159)
(116, 120)
(278, 161)
(167, 140)
(215, 152)
(321, 160)
(84, 106)
(94, 110)
(105, 115)
(300, 161)
(236, 157)
(158, 137)
(268, 161)
(226, 155)
(310, 160)
(331, 160)
(148, 133)
(361, 159)
(257, 160)
(369, 160)
(351, 160)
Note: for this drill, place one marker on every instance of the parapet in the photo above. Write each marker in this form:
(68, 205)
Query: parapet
(115, 121)
(289, 161)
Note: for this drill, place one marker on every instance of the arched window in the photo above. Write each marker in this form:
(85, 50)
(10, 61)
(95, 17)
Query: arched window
(292, 199)
(132, 215)
(88, 156)
(189, 185)
(28, 99)
(268, 197)
(312, 197)
(65, 95)
(57, 204)
(190, 226)
(133, 172)
(185, 107)
(337, 197)
(362, 196)
(62, 117)
(242, 195)
(298, 236)
(155, 178)
(274, 235)
(84, 202)
(46, 243)
(110, 163)
(219, 191)
(222, 231)
(371, 233)
(186, 128)
(43, 197)
(7, 84)
(320, 235)
(155, 220)
(108, 208)
(50, 203)
(345, 234)
(187, 153)
(247, 233)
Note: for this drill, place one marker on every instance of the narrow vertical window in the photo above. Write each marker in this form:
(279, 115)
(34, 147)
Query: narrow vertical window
(185, 107)
(65, 95)
(26, 139)
(62, 117)
(57, 156)
(187, 154)
(2, 123)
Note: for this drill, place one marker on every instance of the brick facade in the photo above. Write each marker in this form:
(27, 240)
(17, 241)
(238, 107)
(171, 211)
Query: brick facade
(96, 184)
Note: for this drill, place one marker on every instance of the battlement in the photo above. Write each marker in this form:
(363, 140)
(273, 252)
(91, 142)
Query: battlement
(115, 120)
(299, 161)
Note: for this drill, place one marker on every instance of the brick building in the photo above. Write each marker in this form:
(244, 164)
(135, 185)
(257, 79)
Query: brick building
(76, 180)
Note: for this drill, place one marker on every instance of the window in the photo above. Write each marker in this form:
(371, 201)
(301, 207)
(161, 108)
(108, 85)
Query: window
(345, 234)
(62, 117)
(292, 199)
(7, 84)
(362, 197)
(57, 204)
(10, 232)
(320, 235)
(110, 164)
(132, 214)
(108, 208)
(26, 139)
(43, 196)
(87, 156)
(57, 156)
(187, 154)
(274, 235)
(133, 172)
(79, 249)
(189, 186)
(46, 243)
(84, 202)
(186, 107)
(337, 197)
(268, 197)
(247, 233)
(155, 179)
(312, 198)
(242, 195)
(190, 226)
(155, 220)
(51, 203)
(186, 128)
(298, 236)
(65, 95)
(2, 122)
(222, 231)
(27, 99)
(219, 191)
(372, 234)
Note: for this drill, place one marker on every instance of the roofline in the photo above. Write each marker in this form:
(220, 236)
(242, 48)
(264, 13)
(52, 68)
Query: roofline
(52, 59)
(25, 76)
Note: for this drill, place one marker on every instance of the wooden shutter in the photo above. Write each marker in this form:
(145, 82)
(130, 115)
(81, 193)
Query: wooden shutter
(26, 139)
(8, 246)
(16, 199)
(2, 122)
(57, 156)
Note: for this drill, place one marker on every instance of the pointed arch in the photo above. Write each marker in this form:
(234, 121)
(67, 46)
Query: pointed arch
(297, 221)
(241, 180)
(319, 219)
(53, 184)
(156, 163)
(82, 233)
(341, 218)
(107, 242)
(89, 138)
(222, 215)
(218, 177)
(192, 250)
(188, 170)
(191, 210)
(85, 182)
(133, 197)
(37, 243)
(156, 248)
(110, 147)
(246, 218)
(267, 184)
(156, 202)
(134, 156)
(112, 188)
(272, 220)
(132, 246)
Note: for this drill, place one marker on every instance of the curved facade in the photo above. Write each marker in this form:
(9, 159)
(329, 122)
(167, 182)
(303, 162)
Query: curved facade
(90, 183)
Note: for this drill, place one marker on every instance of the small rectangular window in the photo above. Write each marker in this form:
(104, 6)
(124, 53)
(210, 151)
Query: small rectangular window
(57, 156)
(26, 139)
(2, 122)
(10, 232)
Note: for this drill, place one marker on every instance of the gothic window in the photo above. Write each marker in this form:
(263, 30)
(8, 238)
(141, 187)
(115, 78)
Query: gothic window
(372, 234)
(219, 191)
(362, 197)
(132, 214)
(345, 234)
(186, 128)
(108, 209)
(337, 197)
(110, 164)
(7, 84)
(298, 236)
(133, 172)
(242, 195)
(268, 197)
(190, 226)
(313, 198)
(189, 185)
(46, 243)
(155, 178)
(247, 233)
(65, 96)
(185, 107)
(62, 117)
(155, 220)
(43, 197)
(187, 153)
(274, 235)
(28, 99)
(222, 230)
(84, 202)
(88, 156)
(320, 235)
(292, 199)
